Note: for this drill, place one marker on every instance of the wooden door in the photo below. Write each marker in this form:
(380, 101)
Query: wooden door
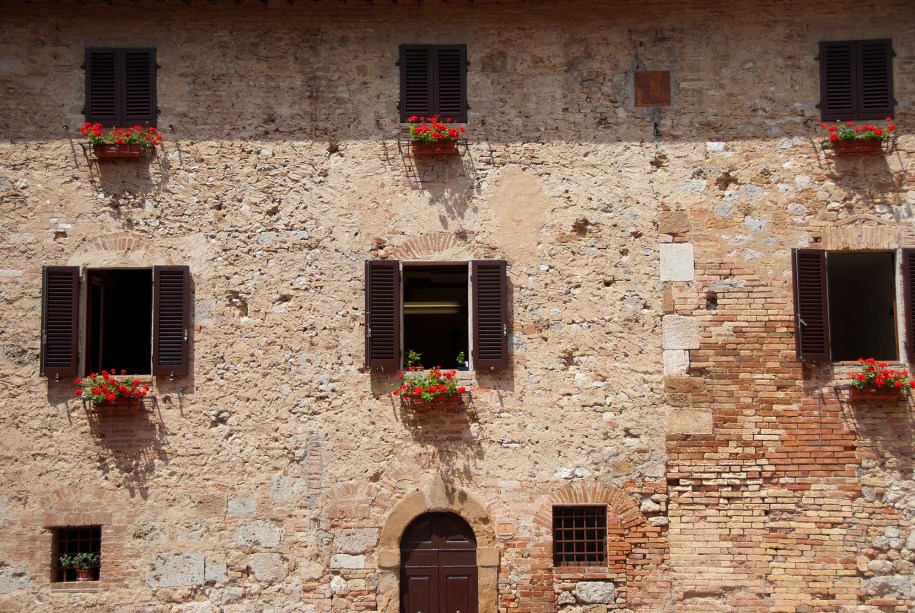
(438, 566)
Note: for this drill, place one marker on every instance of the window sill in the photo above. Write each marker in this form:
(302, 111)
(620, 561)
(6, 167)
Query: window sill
(77, 587)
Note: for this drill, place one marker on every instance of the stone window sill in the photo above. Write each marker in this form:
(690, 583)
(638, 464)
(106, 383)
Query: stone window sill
(77, 587)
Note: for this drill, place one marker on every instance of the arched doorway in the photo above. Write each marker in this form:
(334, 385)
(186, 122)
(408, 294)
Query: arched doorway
(438, 565)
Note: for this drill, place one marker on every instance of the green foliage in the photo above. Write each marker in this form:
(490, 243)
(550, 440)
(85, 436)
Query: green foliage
(413, 358)
(81, 561)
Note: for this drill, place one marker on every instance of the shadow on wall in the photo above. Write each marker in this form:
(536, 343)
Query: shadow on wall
(868, 175)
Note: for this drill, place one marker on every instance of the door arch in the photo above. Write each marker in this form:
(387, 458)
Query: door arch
(438, 565)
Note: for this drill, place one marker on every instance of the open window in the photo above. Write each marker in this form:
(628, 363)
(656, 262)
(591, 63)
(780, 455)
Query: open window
(135, 319)
(845, 304)
(438, 310)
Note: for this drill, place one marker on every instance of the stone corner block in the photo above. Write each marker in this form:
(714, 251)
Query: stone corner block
(677, 262)
(680, 332)
(688, 420)
(676, 361)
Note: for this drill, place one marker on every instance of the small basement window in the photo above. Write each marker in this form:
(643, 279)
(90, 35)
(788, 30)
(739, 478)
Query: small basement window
(120, 320)
(436, 313)
(71, 541)
(579, 535)
(862, 305)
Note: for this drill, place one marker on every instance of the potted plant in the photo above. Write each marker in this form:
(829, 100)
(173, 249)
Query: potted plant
(121, 142)
(875, 381)
(432, 137)
(83, 563)
(427, 389)
(106, 390)
(847, 137)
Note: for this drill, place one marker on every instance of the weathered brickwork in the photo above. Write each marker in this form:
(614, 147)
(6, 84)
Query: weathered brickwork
(652, 336)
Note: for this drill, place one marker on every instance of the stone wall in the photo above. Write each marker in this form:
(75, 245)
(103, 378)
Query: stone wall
(652, 351)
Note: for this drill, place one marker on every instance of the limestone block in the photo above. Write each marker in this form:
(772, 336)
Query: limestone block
(678, 262)
(267, 567)
(650, 506)
(175, 569)
(566, 598)
(12, 579)
(355, 540)
(673, 222)
(215, 568)
(680, 332)
(338, 585)
(689, 421)
(242, 506)
(259, 533)
(342, 560)
(285, 488)
(676, 361)
(893, 586)
(595, 592)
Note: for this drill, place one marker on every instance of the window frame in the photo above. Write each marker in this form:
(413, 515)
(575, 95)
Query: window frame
(58, 572)
(434, 85)
(857, 78)
(120, 85)
(603, 554)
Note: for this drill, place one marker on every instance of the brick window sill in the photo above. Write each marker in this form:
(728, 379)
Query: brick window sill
(77, 587)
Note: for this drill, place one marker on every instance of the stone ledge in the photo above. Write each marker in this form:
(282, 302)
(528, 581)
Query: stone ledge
(77, 587)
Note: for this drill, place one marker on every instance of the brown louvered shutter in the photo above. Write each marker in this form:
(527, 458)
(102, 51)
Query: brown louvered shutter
(171, 320)
(101, 86)
(415, 81)
(908, 286)
(838, 80)
(876, 79)
(490, 314)
(59, 321)
(382, 314)
(451, 82)
(811, 305)
(139, 87)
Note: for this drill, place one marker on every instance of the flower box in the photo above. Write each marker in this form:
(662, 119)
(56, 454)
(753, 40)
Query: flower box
(451, 401)
(857, 145)
(870, 393)
(445, 147)
(119, 404)
(106, 151)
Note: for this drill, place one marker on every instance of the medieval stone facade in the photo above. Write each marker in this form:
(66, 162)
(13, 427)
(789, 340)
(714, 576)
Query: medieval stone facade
(652, 366)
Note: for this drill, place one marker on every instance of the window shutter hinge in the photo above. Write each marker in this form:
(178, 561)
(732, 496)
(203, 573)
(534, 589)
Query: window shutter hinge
(369, 332)
(816, 59)
(504, 329)
(185, 335)
(82, 66)
(817, 105)
(158, 66)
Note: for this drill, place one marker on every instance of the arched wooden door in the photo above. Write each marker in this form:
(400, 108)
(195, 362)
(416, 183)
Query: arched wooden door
(438, 562)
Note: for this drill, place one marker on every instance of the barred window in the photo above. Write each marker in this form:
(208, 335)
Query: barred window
(579, 535)
(71, 541)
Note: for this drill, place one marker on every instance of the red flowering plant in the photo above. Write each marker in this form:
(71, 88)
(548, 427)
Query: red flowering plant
(431, 130)
(104, 388)
(849, 130)
(875, 375)
(418, 384)
(148, 138)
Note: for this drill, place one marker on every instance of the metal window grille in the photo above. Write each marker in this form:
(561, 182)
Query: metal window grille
(73, 540)
(579, 535)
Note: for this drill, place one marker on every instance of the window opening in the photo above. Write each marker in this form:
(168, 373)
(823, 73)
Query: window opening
(436, 313)
(71, 541)
(579, 535)
(119, 321)
(862, 305)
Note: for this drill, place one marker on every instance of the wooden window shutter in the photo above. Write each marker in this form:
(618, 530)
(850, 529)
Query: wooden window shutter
(59, 321)
(490, 314)
(139, 87)
(171, 320)
(101, 86)
(451, 82)
(908, 287)
(416, 81)
(811, 305)
(382, 314)
(876, 79)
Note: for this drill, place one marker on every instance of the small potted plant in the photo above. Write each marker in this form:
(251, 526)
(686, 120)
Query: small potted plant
(431, 137)
(426, 389)
(121, 142)
(848, 137)
(104, 389)
(875, 381)
(83, 563)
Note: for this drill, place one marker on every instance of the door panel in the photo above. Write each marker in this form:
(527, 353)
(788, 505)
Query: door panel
(456, 588)
(438, 573)
(419, 596)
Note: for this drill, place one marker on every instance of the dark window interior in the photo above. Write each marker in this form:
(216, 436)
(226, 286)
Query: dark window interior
(862, 305)
(119, 330)
(579, 535)
(435, 313)
(70, 541)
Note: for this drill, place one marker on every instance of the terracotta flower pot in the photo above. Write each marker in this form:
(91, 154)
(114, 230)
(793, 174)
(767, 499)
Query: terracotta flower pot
(453, 401)
(857, 145)
(84, 574)
(104, 151)
(120, 403)
(871, 393)
(445, 147)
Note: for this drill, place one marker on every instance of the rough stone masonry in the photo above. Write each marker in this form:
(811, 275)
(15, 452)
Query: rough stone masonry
(652, 365)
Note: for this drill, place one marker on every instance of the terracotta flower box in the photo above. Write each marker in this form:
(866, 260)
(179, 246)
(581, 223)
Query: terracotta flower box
(119, 404)
(446, 147)
(871, 393)
(106, 151)
(857, 145)
(452, 401)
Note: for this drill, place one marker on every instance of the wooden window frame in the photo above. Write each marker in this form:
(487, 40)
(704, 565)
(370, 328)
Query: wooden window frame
(857, 77)
(562, 516)
(120, 117)
(434, 85)
(62, 537)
